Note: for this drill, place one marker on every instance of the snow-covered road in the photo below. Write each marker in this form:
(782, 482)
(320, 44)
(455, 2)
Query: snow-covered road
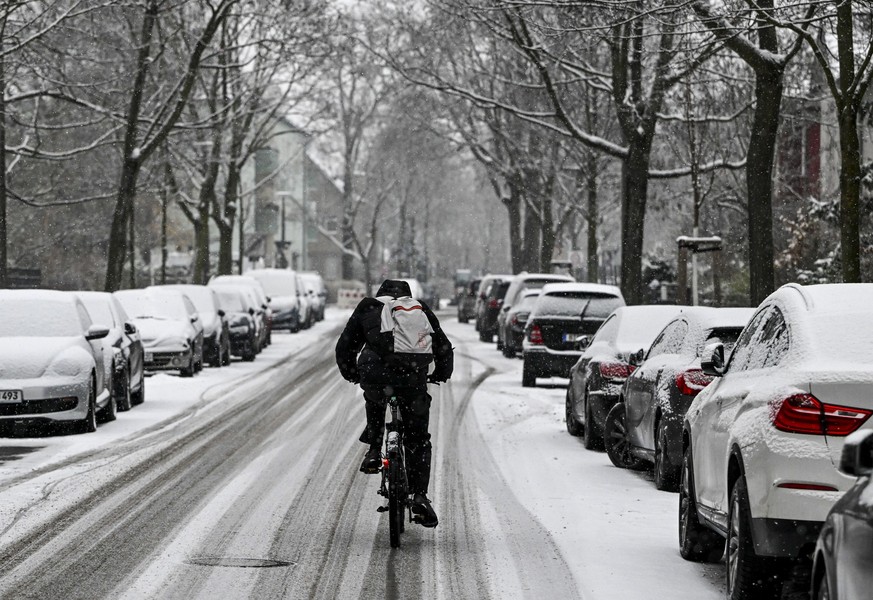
(259, 462)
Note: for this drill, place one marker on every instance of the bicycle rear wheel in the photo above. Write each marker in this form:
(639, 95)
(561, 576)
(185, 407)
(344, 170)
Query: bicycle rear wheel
(396, 512)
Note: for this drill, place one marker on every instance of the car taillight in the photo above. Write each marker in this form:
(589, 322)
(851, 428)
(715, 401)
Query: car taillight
(616, 370)
(493, 304)
(692, 381)
(536, 335)
(804, 413)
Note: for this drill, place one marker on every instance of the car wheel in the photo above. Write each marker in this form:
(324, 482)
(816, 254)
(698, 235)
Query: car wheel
(528, 375)
(592, 437)
(573, 426)
(109, 412)
(499, 343)
(190, 369)
(697, 543)
(138, 397)
(666, 475)
(122, 391)
(225, 356)
(249, 353)
(89, 423)
(219, 356)
(486, 336)
(616, 440)
(748, 575)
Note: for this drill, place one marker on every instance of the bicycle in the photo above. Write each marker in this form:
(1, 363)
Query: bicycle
(395, 486)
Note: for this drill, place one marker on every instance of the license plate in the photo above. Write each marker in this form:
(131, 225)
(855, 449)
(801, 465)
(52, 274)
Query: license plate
(11, 396)
(149, 357)
(570, 337)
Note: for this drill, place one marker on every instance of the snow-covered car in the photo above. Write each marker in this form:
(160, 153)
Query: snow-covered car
(762, 442)
(520, 283)
(597, 377)
(314, 286)
(241, 311)
(51, 361)
(216, 334)
(844, 551)
(645, 425)
(282, 287)
(125, 371)
(170, 329)
(516, 319)
(563, 313)
(264, 313)
(488, 283)
(467, 301)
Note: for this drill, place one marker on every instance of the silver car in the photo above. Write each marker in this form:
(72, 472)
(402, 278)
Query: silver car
(172, 335)
(51, 361)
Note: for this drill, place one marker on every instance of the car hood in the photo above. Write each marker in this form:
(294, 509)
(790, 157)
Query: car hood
(154, 330)
(32, 357)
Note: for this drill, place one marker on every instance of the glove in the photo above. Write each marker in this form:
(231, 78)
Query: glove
(435, 380)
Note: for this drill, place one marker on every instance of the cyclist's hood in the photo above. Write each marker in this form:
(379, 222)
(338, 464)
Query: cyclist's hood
(394, 288)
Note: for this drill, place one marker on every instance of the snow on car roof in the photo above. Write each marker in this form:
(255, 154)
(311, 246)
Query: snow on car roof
(593, 288)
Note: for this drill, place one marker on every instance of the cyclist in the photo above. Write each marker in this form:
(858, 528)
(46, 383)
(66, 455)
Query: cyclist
(363, 356)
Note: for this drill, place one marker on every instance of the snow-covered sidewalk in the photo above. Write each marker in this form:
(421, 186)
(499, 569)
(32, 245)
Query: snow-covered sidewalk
(168, 397)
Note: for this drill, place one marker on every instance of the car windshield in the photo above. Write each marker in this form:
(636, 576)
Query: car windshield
(726, 335)
(571, 304)
(153, 306)
(200, 297)
(99, 310)
(277, 284)
(230, 300)
(29, 317)
(639, 328)
(526, 304)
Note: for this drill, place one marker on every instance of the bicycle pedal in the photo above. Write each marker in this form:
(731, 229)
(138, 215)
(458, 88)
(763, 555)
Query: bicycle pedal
(382, 509)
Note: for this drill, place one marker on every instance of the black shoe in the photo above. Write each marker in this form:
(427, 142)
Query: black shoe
(372, 461)
(423, 511)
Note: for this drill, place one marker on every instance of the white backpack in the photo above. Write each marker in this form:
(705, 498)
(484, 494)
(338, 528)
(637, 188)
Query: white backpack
(411, 328)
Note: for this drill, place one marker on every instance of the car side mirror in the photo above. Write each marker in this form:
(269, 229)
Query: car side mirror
(857, 457)
(96, 332)
(130, 328)
(195, 318)
(583, 342)
(712, 362)
(269, 299)
(221, 313)
(636, 358)
(505, 308)
(252, 311)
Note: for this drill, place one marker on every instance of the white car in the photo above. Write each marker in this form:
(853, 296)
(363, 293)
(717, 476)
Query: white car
(256, 289)
(762, 442)
(317, 291)
(170, 329)
(51, 361)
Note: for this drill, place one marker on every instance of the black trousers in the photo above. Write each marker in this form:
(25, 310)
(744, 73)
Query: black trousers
(415, 412)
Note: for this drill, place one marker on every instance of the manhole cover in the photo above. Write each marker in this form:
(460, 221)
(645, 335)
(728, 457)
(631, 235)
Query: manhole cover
(242, 563)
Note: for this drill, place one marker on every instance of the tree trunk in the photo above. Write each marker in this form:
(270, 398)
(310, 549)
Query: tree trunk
(530, 245)
(759, 182)
(4, 265)
(201, 244)
(513, 207)
(850, 192)
(130, 160)
(548, 235)
(635, 188)
(224, 220)
(347, 231)
(593, 251)
(850, 146)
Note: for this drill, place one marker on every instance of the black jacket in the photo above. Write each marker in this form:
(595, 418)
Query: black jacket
(362, 356)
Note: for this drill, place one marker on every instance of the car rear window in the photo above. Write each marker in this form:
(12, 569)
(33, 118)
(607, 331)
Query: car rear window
(572, 304)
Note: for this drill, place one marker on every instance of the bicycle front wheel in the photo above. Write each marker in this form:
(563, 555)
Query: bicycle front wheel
(396, 510)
